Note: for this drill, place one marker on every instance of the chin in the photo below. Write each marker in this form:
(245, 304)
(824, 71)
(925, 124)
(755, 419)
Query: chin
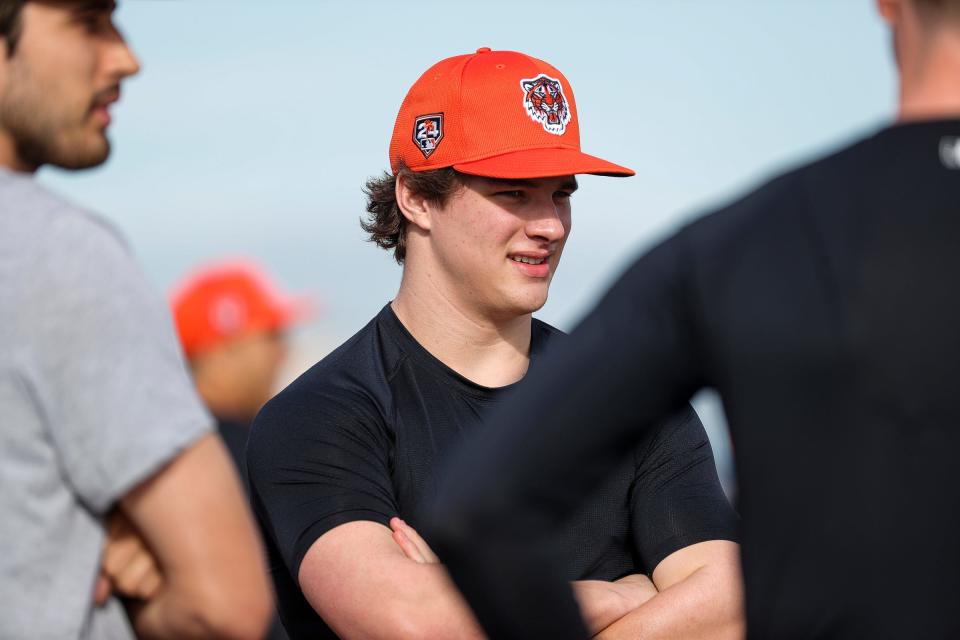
(524, 306)
(73, 156)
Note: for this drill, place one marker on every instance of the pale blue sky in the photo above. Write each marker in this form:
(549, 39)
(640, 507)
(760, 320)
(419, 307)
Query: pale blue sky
(254, 124)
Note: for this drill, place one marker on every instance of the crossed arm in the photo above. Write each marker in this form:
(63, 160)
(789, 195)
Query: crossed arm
(183, 545)
(700, 596)
(368, 581)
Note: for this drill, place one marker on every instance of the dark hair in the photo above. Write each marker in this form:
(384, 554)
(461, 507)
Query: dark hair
(385, 223)
(938, 7)
(10, 23)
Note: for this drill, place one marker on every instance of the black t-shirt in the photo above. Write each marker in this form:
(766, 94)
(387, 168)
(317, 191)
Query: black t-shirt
(234, 435)
(362, 436)
(825, 308)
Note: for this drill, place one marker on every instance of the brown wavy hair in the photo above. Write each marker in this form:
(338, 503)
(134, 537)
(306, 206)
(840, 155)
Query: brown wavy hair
(385, 222)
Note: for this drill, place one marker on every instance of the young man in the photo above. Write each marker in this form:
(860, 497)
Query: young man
(477, 209)
(827, 299)
(96, 409)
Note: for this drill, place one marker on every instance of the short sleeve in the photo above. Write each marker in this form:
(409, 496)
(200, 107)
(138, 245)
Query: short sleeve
(318, 457)
(117, 398)
(677, 500)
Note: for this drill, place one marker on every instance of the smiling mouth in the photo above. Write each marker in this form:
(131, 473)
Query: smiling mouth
(527, 260)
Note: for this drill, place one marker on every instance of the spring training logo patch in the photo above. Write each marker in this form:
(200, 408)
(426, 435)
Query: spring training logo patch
(545, 103)
(428, 132)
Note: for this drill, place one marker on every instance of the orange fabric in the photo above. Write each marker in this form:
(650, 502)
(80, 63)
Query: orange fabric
(479, 103)
(227, 300)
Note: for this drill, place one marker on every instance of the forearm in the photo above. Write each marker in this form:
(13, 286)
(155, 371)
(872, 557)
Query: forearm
(166, 616)
(603, 603)
(198, 611)
(707, 604)
(214, 579)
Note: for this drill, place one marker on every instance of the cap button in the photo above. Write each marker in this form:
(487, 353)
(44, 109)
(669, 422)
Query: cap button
(483, 50)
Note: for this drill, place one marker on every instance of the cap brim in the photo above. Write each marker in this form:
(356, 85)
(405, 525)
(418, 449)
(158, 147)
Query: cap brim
(541, 163)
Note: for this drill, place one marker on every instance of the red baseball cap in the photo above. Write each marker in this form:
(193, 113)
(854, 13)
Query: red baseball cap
(497, 114)
(225, 300)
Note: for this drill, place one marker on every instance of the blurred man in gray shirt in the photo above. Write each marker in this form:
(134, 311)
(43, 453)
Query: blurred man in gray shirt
(97, 414)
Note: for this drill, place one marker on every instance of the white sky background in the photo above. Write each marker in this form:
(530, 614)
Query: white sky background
(254, 124)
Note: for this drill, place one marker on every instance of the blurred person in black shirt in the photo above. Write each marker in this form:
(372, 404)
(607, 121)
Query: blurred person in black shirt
(824, 309)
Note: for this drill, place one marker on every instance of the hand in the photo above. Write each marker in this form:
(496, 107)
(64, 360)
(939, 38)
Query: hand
(603, 603)
(128, 568)
(638, 587)
(410, 542)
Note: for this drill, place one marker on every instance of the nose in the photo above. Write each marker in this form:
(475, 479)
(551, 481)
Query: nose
(550, 222)
(121, 61)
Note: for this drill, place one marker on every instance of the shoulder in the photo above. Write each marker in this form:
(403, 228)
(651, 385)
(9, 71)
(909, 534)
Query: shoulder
(72, 245)
(75, 275)
(680, 432)
(23, 194)
(345, 391)
(53, 218)
(56, 240)
(783, 196)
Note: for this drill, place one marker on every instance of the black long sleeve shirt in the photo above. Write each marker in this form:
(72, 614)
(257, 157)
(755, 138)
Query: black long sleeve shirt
(825, 309)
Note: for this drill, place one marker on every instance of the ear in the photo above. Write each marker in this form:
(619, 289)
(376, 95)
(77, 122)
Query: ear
(414, 206)
(527, 85)
(890, 11)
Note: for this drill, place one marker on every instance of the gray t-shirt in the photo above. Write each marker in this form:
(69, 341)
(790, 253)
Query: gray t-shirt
(94, 398)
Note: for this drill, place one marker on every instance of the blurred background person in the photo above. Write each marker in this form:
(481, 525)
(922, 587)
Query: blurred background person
(98, 420)
(233, 323)
(822, 298)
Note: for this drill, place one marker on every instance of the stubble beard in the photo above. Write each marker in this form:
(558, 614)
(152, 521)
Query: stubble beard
(44, 130)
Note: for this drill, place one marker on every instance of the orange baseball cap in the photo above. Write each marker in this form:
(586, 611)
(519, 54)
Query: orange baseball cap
(225, 300)
(496, 114)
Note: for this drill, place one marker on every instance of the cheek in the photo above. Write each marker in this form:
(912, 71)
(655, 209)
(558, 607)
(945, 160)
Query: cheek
(474, 237)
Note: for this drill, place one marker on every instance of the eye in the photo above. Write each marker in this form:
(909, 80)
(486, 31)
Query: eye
(513, 194)
(563, 195)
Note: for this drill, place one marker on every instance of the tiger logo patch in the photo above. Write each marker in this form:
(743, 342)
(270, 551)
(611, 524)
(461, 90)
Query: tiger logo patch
(428, 132)
(545, 103)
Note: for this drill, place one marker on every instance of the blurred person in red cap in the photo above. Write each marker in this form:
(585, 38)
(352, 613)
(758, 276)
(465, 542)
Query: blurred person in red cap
(477, 209)
(233, 322)
(107, 460)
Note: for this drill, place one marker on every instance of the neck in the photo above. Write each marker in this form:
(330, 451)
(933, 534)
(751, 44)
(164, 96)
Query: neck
(218, 400)
(10, 157)
(490, 352)
(930, 80)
